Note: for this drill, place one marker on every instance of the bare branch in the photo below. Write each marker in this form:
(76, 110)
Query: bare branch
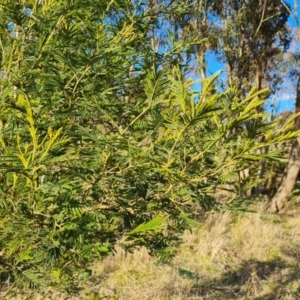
(262, 18)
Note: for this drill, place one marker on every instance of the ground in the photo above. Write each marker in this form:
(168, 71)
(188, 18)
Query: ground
(230, 256)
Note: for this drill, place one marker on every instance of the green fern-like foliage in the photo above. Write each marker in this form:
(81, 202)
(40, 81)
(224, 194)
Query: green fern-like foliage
(100, 144)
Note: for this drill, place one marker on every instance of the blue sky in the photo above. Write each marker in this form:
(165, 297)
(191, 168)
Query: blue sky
(296, 12)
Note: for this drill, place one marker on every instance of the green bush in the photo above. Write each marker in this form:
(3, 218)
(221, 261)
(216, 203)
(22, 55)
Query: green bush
(102, 144)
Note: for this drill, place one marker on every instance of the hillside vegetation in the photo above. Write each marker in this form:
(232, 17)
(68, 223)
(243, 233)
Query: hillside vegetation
(115, 138)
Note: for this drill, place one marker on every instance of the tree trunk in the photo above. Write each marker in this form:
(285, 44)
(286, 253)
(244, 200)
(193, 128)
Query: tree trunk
(289, 179)
(280, 199)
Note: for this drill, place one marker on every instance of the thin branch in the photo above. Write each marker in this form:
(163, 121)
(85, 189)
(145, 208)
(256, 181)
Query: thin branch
(262, 18)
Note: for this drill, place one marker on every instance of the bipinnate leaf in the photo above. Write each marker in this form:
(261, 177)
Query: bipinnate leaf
(156, 224)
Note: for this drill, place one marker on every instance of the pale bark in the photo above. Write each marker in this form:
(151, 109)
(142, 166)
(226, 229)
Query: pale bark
(289, 179)
(280, 199)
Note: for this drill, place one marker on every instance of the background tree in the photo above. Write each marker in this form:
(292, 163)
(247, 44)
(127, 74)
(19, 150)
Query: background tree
(289, 179)
(290, 174)
(253, 36)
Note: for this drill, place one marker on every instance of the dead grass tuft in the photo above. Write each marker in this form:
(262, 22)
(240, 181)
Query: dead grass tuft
(231, 256)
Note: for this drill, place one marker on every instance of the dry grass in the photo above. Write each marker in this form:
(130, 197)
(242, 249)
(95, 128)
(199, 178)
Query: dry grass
(231, 256)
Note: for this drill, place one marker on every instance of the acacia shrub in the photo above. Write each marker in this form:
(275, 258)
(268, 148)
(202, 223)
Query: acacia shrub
(94, 155)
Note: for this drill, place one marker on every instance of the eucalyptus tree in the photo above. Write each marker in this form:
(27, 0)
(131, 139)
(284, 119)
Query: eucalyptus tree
(253, 36)
(291, 171)
(290, 174)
